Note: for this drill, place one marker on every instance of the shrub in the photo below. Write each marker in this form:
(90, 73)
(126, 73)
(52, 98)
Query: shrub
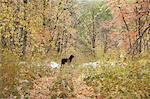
(9, 72)
(128, 81)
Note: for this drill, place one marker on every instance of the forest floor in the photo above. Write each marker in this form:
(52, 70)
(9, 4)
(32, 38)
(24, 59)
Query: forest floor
(42, 86)
(102, 79)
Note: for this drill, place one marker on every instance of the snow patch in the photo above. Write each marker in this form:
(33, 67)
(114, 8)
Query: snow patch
(53, 65)
(92, 64)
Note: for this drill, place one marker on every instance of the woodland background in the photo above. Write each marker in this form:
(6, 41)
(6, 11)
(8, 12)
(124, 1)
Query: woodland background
(35, 32)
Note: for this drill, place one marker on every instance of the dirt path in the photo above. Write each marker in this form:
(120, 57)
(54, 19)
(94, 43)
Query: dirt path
(42, 88)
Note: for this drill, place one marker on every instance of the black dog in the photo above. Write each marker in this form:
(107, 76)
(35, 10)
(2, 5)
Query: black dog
(66, 60)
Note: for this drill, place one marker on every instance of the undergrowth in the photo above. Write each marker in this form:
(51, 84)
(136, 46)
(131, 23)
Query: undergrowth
(124, 80)
(115, 77)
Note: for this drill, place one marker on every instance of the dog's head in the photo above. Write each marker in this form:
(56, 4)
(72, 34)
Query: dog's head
(71, 57)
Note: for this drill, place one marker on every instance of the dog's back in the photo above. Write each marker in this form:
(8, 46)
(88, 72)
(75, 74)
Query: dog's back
(63, 61)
